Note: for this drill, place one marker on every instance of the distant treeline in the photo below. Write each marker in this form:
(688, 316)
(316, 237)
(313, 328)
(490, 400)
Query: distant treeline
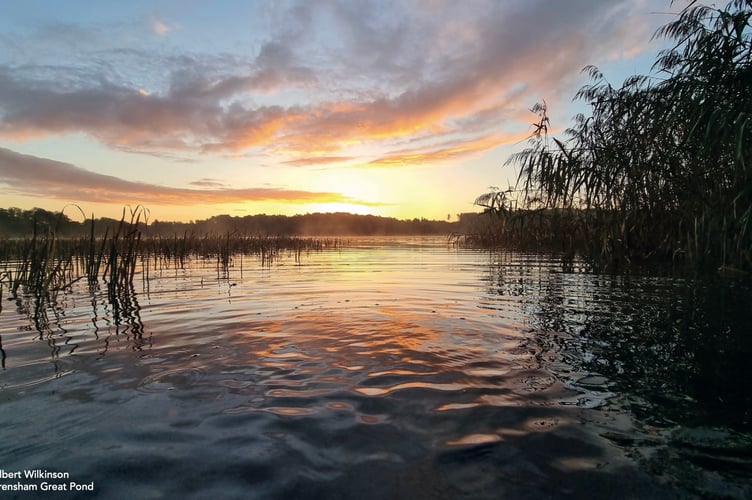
(316, 224)
(15, 222)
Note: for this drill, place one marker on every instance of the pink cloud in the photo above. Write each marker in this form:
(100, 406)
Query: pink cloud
(34, 176)
(448, 150)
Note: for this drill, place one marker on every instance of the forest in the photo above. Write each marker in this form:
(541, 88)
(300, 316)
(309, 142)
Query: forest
(18, 223)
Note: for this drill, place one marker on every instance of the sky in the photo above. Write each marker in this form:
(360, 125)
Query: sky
(192, 108)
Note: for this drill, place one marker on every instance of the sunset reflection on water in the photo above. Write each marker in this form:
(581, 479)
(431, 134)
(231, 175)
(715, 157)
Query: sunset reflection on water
(410, 361)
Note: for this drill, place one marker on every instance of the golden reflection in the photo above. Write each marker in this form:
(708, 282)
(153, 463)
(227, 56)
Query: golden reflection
(401, 372)
(290, 393)
(381, 391)
(500, 400)
(350, 368)
(287, 355)
(322, 352)
(488, 372)
(343, 341)
(456, 406)
(511, 433)
(371, 419)
(336, 405)
(286, 410)
(473, 439)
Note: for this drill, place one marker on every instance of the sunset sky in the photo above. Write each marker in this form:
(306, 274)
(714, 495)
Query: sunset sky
(194, 108)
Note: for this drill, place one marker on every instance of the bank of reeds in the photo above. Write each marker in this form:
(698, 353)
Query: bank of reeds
(523, 230)
(222, 246)
(660, 168)
(44, 263)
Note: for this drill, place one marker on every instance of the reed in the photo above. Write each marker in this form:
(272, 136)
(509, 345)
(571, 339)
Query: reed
(44, 263)
(660, 168)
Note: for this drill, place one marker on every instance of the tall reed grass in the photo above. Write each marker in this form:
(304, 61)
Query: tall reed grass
(661, 167)
(44, 263)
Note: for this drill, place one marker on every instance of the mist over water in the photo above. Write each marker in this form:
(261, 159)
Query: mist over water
(392, 368)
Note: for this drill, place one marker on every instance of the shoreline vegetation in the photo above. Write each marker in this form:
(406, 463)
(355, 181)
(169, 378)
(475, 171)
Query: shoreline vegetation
(43, 252)
(659, 171)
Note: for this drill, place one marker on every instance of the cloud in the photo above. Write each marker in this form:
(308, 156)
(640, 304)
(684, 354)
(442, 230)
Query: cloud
(318, 160)
(329, 78)
(448, 150)
(192, 117)
(160, 27)
(206, 182)
(33, 176)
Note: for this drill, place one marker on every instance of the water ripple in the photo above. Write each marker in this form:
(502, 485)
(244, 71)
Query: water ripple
(415, 372)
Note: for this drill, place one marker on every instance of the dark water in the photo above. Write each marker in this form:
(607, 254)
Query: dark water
(390, 369)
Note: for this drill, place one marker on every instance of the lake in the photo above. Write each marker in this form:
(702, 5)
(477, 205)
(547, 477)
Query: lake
(390, 368)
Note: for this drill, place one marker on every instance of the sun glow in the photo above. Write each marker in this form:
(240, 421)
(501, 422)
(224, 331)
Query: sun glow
(288, 124)
(352, 208)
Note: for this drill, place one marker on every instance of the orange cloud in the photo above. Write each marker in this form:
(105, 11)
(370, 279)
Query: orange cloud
(425, 110)
(318, 160)
(451, 150)
(160, 28)
(389, 75)
(34, 176)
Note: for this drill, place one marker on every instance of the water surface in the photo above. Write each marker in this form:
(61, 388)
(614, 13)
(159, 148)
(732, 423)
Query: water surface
(393, 368)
